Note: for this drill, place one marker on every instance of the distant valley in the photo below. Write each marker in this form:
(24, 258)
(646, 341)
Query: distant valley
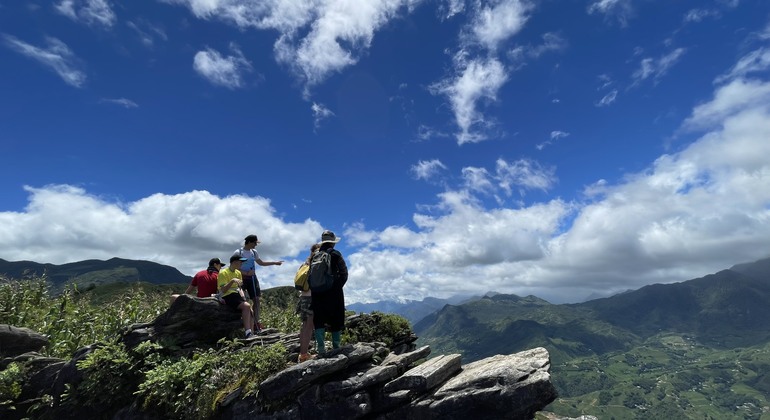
(695, 349)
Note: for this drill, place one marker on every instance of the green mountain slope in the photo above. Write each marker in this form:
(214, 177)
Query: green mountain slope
(698, 349)
(95, 272)
(723, 310)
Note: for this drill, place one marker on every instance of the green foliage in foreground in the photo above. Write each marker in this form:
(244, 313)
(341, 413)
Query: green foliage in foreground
(69, 319)
(669, 376)
(166, 384)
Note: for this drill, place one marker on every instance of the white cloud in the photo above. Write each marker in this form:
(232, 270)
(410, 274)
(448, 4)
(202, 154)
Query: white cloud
(689, 214)
(493, 25)
(555, 135)
(478, 79)
(185, 230)
(753, 62)
(449, 8)
(90, 12)
(220, 70)
(427, 169)
(126, 103)
(619, 10)
(56, 56)
(320, 113)
(697, 15)
(729, 100)
(147, 32)
(608, 99)
(657, 68)
(316, 39)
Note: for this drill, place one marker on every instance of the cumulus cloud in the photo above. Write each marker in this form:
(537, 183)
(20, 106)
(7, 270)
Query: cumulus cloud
(56, 56)
(227, 71)
(688, 214)
(315, 39)
(90, 12)
(185, 230)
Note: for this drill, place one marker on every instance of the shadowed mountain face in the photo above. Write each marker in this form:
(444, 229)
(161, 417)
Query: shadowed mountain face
(728, 309)
(95, 272)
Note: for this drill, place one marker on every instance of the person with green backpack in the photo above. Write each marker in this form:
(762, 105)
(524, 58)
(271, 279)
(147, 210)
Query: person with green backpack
(303, 306)
(328, 275)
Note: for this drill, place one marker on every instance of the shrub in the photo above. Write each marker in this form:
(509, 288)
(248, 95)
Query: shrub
(378, 326)
(11, 380)
(192, 388)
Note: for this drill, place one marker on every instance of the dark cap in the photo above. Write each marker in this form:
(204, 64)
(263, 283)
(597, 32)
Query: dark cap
(237, 257)
(214, 261)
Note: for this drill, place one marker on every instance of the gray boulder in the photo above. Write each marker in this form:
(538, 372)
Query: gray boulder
(15, 341)
(189, 322)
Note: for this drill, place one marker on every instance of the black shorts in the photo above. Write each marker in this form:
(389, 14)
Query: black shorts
(251, 287)
(233, 300)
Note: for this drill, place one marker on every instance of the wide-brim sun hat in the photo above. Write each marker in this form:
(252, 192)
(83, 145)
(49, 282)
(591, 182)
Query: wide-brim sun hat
(328, 237)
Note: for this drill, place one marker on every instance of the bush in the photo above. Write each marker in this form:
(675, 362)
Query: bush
(192, 388)
(378, 326)
(11, 380)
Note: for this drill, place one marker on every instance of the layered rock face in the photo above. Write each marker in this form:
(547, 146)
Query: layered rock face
(358, 381)
(352, 383)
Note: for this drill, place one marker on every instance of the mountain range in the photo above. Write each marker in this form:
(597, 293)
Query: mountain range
(412, 310)
(727, 309)
(90, 273)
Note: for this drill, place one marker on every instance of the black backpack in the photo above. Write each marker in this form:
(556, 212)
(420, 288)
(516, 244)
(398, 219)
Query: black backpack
(321, 277)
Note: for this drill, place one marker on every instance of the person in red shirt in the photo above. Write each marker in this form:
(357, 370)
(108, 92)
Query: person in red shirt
(205, 281)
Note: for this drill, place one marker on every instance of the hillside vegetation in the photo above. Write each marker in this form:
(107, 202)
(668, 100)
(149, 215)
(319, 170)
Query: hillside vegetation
(168, 382)
(699, 349)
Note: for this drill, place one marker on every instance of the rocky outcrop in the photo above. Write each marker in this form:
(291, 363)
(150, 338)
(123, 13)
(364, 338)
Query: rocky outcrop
(189, 322)
(349, 383)
(15, 341)
(366, 380)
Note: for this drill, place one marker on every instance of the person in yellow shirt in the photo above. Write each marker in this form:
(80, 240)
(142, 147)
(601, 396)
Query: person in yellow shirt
(229, 283)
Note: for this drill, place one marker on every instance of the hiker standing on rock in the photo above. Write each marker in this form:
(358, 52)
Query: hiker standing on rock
(305, 312)
(329, 305)
(230, 282)
(249, 272)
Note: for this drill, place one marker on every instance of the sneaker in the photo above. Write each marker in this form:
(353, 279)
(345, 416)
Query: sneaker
(249, 334)
(258, 327)
(304, 357)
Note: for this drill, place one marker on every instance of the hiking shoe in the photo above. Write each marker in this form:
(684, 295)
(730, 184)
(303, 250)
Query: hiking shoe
(304, 357)
(249, 334)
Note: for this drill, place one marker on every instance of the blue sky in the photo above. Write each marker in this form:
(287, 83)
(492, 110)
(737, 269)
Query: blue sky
(564, 149)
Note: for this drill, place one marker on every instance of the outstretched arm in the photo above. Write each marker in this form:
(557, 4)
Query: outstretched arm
(266, 263)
